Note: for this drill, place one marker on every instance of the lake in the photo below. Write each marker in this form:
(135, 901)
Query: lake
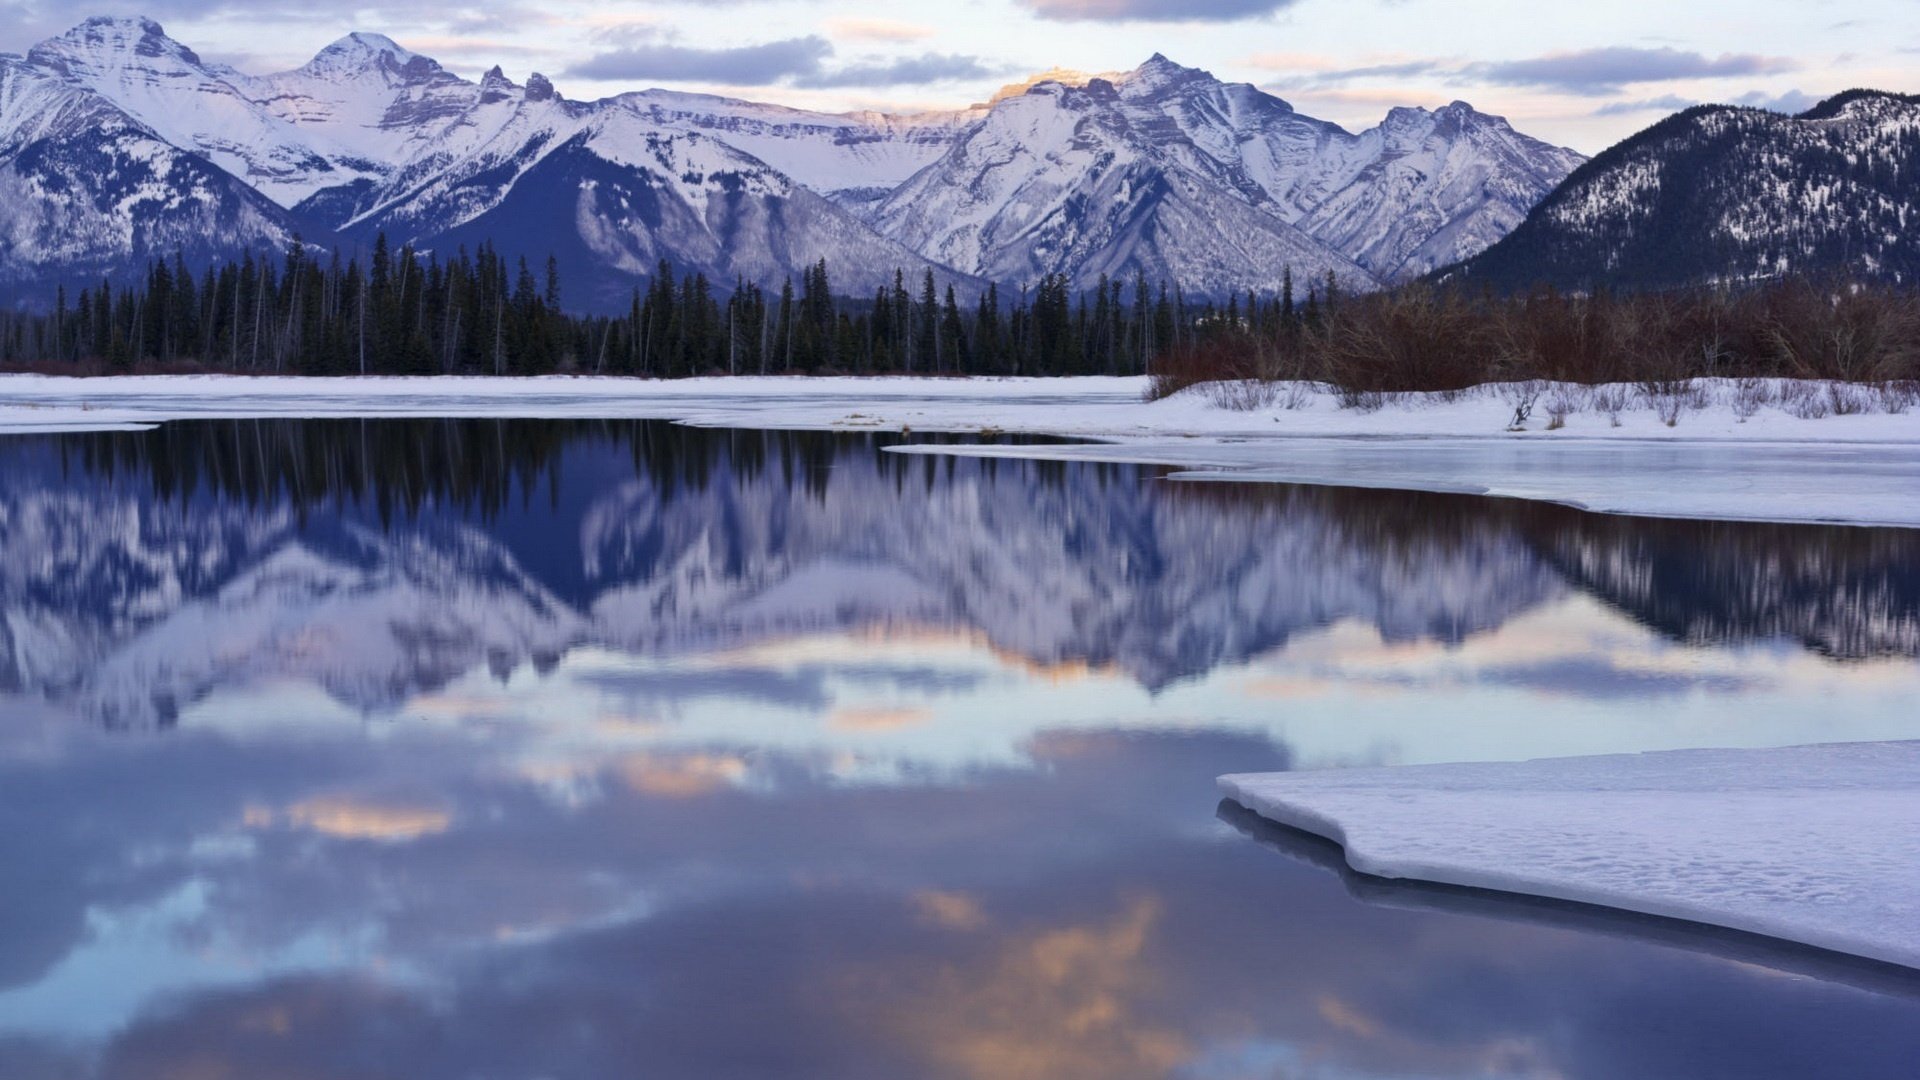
(516, 749)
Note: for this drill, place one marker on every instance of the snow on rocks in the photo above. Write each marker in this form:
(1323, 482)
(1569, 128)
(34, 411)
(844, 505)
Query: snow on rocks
(1818, 845)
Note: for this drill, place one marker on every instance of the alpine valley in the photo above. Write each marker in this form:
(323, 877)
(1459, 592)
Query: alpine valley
(119, 145)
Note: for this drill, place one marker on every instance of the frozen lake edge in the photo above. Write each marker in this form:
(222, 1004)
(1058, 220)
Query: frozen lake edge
(1858, 469)
(1816, 845)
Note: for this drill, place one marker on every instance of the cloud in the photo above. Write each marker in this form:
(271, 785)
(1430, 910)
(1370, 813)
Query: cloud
(746, 65)
(906, 70)
(1607, 70)
(1792, 101)
(890, 30)
(1789, 102)
(798, 61)
(1590, 72)
(1153, 10)
(1664, 103)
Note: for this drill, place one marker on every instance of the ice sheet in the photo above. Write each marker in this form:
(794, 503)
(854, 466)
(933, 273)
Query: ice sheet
(1818, 845)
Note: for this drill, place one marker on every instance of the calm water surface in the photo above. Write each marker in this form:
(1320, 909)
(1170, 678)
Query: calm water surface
(550, 750)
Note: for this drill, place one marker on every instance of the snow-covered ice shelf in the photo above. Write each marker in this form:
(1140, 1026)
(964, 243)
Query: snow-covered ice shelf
(1857, 469)
(1818, 845)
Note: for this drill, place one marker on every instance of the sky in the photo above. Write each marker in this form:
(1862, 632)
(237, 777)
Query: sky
(1582, 75)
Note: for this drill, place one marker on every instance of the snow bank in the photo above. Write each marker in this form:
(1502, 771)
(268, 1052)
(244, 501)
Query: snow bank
(1778, 463)
(1818, 845)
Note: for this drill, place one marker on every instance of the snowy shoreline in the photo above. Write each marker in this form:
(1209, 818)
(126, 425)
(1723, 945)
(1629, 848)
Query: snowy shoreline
(1739, 451)
(1813, 844)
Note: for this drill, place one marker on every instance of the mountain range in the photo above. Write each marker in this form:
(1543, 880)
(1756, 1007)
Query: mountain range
(119, 144)
(1724, 194)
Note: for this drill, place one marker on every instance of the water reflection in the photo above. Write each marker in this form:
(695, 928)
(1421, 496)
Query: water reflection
(143, 571)
(503, 750)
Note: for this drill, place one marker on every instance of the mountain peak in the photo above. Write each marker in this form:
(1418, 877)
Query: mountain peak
(1159, 70)
(107, 42)
(1063, 76)
(138, 25)
(361, 52)
(1160, 66)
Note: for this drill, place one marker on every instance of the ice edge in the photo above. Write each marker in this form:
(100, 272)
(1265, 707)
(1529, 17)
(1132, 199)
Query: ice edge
(1297, 814)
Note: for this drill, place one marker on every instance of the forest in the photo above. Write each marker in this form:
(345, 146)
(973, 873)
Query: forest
(405, 313)
(408, 313)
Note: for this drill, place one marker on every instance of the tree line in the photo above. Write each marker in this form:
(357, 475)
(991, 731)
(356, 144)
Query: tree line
(405, 312)
(1427, 338)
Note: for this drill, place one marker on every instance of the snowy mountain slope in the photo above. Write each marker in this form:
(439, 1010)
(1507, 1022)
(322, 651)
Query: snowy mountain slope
(845, 156)
(1163, 171)
(1061, 179)
(195, 106)
(374, 99)
(606, 191)
(1434, 187)
(1719, 193)
(86, 188)
(1045, 180)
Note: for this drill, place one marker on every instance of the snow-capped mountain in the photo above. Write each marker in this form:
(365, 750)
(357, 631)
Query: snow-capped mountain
(603, 188)
(1066, 179)
(207, 109)
(86, 188)
(1428, 188)
(1164, 171)
(1719, 193)
(855, 159)
(1169, 171)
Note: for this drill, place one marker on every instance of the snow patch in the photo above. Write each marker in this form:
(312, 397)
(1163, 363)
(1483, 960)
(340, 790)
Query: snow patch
(1818, 845)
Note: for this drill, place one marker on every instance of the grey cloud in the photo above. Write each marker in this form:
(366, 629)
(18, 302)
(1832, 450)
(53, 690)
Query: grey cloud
(1153, 10)
(1592, 72)
(747, 65)
(1792, 101)
(1343, 76)
(794, 61)
(1663, 103)
(907, 70)
(1606, 70)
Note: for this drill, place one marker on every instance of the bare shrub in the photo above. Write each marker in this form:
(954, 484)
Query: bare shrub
(1750, 395)
(1523, 396)
(1242, 395)
(1610, 400)
(1296, 394)
(1365, 401)
(1898, 395)
(1445, 341)
(1804, 401)
(1564, 401)
(1849, 400)
(1216, 358)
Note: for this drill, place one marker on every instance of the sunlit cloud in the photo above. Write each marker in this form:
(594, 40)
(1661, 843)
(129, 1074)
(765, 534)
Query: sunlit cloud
(1057, 1003)
(887, 30)
(682, 776)
(877, 719)
(950, 910)
(347, 817)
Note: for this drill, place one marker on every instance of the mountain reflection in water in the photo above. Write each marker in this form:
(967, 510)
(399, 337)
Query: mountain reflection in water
(507, 749)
